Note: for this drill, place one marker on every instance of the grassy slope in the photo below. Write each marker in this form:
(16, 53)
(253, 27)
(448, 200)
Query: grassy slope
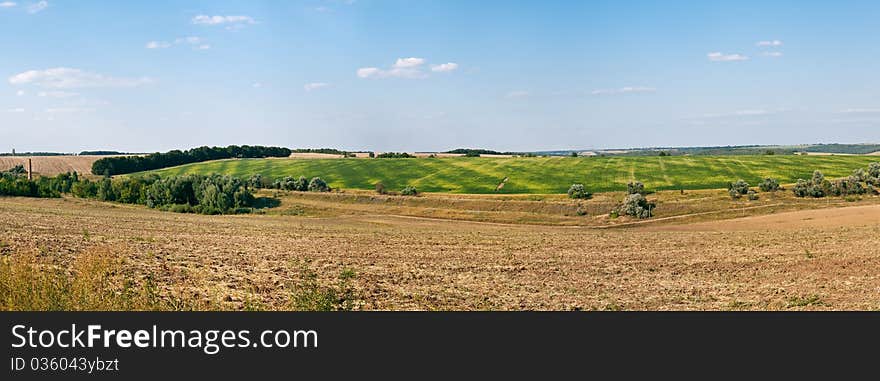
(537, 175)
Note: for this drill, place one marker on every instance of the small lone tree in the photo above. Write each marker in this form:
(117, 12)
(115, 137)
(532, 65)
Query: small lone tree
(577, 191)
(380, 188)
(636, 205)
(410, 191)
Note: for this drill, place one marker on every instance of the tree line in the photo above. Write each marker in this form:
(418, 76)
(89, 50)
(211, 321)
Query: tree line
(110, 166)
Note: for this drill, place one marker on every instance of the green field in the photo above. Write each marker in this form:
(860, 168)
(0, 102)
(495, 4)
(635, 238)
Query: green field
(537, 175)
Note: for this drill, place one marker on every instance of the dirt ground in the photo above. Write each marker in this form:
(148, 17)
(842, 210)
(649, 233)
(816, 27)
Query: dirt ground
(822, 259)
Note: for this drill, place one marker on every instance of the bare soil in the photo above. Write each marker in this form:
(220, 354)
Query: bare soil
(816, 257)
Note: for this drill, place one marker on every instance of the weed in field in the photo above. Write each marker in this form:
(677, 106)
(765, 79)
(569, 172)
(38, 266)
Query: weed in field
(310, 295)
(93, 283)
(804, 301)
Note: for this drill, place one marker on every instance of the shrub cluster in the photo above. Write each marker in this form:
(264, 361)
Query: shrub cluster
(577, 191)
(410, 191)
(110, 166)
(860, 182)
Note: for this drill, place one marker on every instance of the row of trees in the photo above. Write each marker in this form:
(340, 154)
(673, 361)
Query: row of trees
(213, 194)
(110, 166)
(15, 183)
(316, 184)
(394, 155)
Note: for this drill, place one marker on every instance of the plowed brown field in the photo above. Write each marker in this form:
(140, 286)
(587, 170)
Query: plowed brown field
(812, 259)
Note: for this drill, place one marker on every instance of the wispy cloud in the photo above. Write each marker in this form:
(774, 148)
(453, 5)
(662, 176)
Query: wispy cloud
(721, 57)
(516, 94)
(231, 22)
(772, 54)
(195, 42)
(37, 7)
(860, 111)
(444, 68)
(769, 43)
(19, 93)
(69, 78)
(7, 4)
(15, 110)
(402, 68)
(157, 45)
(57, 94)
(625, 90)
(315, 86)
(411, 67)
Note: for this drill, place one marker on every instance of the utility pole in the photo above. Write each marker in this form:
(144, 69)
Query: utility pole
(30, 170)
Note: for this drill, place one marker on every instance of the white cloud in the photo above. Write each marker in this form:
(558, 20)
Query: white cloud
(721, 57)
(412, 67)
(315, 86)
(157, 45)
(57, 94)
(68, 78)
(769, 43)
(625, 90)
(19, 93)
(37, 7)
(406, 63)
(231, 22)
(517, 94)
(189, 40)
(257, 85)
(15, 110)
(368, 72)
(443, 68)
(772, 54)
(7, 4)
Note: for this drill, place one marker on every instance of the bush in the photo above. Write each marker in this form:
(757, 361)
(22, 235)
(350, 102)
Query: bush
(635, 187)
(410, 191)
(738, 189)
(816, 187)
(380, 188)
(577, 191)
(848, 186)
(769, 185)
(318, 185)
(753, 196)
(636, 205)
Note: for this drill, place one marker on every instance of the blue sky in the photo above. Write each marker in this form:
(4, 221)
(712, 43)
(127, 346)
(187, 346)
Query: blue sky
(436, 75)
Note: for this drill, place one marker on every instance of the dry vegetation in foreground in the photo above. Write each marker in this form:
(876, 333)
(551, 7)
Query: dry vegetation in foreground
(332, 254)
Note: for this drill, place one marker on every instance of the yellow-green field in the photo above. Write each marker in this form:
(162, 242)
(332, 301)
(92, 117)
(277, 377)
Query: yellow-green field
(537, 175)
